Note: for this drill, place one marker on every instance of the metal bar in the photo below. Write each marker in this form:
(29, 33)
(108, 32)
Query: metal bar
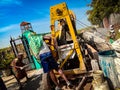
(70, 53)
(81, 83)
(76, 44)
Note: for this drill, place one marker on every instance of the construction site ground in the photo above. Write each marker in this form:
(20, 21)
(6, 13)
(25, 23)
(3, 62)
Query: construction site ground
(34, 83)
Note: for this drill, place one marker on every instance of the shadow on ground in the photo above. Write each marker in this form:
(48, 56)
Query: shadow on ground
(33, 83)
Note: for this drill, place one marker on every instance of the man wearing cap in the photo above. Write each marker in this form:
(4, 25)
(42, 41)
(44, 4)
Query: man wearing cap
(18, 67)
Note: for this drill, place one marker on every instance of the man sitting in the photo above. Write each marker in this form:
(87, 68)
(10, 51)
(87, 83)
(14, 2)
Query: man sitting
(18, 68)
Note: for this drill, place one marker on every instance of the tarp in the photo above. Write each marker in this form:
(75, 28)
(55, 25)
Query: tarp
(116, 46)
(34, 40)
(107, 64)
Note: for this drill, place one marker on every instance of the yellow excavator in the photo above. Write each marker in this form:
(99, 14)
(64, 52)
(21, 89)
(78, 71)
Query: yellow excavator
(67, 47)
(66, 19)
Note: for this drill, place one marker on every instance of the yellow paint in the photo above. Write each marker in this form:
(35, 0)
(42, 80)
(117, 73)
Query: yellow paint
(58, 12)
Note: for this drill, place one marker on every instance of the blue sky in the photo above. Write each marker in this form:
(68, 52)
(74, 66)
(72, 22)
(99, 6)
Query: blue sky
(37, 12)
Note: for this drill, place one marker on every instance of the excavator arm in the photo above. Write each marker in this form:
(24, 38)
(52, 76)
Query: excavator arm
(59, 12)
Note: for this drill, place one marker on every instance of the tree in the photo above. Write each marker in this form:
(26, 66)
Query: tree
(102, 9)
(5, 58)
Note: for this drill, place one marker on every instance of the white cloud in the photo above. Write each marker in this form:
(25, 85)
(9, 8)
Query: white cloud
(9, 28)
(9, 2)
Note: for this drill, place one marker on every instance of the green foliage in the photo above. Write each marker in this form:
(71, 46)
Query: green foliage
(6, 56)
(117, 34)
(101, 9)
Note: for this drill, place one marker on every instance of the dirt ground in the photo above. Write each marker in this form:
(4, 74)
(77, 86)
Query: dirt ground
(34, 83)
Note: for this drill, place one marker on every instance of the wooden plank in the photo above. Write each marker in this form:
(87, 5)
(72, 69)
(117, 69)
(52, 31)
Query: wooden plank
(81, 83)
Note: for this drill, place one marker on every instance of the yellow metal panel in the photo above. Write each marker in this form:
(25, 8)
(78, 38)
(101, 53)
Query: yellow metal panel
(61, 11)
(76, 44)
(53, 11)
(72, 71)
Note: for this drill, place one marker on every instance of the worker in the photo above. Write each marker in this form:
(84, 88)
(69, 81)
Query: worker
(18, 68)
(112, 32)
(49, 64)
(63, 27)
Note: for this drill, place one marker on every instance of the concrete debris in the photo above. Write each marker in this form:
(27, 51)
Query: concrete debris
(98, 38)
(116, 47)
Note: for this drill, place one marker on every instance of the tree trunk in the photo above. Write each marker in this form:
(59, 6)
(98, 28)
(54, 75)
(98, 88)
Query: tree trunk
(106, 22)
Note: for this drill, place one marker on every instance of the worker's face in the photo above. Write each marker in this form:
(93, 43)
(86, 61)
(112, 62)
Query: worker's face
(20, 57)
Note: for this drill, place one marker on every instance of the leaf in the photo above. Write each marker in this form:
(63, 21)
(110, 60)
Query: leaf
(101, 9)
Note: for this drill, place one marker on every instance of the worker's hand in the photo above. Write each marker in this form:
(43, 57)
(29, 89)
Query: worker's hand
(21, 68)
